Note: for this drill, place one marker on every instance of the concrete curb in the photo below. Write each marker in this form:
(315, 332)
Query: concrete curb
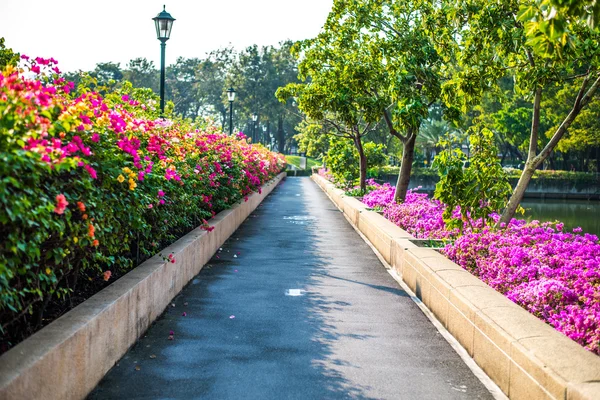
(525, 357)
(67, 359)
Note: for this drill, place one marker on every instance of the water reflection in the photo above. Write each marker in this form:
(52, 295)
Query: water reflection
(573, 213)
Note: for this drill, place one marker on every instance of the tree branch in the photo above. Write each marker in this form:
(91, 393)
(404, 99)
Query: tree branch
(535, 124)
(581, 101)
(390, 125)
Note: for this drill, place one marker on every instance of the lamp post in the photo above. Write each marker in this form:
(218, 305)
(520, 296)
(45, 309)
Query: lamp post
(263, 139)
(231, 98)
(164, 23)
(254, 119)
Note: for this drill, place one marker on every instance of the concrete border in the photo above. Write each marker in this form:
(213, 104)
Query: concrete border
(525, 357)
(67, 359)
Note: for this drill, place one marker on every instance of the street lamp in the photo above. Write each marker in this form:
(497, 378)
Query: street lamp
(264, 135)
(164, 24)
(231, 98)
(254, 119)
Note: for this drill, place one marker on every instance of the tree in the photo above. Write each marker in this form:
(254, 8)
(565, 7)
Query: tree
(181, 84)
(256, 75)
(431, 132)
(389, 65)
(583, 136)
(488, 42)
(211, 74)
(7, 55)
(108, 73)
(142, 74)
(412, 65)
(334, 91)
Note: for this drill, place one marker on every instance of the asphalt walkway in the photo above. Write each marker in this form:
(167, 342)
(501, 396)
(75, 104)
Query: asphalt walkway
(295, 306)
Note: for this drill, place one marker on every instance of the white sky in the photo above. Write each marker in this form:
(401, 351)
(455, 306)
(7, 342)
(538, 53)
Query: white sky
(80, 33)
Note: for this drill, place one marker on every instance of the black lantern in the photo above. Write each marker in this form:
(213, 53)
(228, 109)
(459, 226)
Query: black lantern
(164, 23)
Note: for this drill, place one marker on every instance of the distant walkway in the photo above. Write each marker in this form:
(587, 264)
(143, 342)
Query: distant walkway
(295, 306)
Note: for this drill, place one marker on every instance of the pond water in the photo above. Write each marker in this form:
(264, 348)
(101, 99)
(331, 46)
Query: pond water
(572, 213)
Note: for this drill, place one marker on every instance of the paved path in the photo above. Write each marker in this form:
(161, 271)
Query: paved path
(247, 334)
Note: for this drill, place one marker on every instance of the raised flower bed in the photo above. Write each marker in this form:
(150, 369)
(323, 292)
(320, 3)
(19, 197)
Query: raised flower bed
(553, 274)
(526, 357)
(93, 183)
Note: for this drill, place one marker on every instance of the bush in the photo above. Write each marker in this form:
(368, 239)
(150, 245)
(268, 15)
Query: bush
(477, 190)
(342, 159)
(94, 184)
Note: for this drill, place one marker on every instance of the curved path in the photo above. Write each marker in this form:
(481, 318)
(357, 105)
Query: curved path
(295, 306)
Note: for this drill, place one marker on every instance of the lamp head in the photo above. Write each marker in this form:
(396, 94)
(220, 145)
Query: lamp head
(164, 24)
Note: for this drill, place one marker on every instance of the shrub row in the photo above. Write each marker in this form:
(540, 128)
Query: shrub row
(92, 184)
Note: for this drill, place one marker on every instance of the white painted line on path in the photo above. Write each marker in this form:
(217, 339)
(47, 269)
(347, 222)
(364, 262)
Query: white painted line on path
(294, 292)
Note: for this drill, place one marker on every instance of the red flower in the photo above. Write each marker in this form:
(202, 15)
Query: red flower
(61, 204)
(81, 206)
(107, 275)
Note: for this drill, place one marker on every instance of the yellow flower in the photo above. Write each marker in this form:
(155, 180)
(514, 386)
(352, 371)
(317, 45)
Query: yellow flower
(121, 178)
(75, 239)
(132, 184)
(48, 271)
(127, 170)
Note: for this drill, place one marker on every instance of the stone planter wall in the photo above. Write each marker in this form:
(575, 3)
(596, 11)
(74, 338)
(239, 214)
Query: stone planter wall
(525, 357)
(66, 359)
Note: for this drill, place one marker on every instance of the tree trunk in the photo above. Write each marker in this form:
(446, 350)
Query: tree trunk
(517, 195)
(280, 135)
(363, 162)
(408, 154)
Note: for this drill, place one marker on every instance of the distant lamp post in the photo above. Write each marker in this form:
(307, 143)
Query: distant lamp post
(164, 24)
(264, 135)
(254, 119)
(231, 98)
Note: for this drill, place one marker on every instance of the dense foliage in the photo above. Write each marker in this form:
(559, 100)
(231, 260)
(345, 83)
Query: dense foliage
(93, 184)
(478, 189)
(342, 160)
(553, 274)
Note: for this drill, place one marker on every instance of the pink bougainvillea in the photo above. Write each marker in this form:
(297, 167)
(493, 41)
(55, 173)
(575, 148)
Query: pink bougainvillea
(553, 274)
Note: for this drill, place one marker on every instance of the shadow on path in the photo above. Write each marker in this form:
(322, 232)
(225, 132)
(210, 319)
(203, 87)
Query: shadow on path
(294, 306)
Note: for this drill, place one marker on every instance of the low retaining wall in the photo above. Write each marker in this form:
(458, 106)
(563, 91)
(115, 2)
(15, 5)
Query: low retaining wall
(67, 359)
(525, 357)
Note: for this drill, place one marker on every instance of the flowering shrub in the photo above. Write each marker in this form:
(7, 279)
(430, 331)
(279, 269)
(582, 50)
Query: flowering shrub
(94, 184)
(418, 215)
(551, 273)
